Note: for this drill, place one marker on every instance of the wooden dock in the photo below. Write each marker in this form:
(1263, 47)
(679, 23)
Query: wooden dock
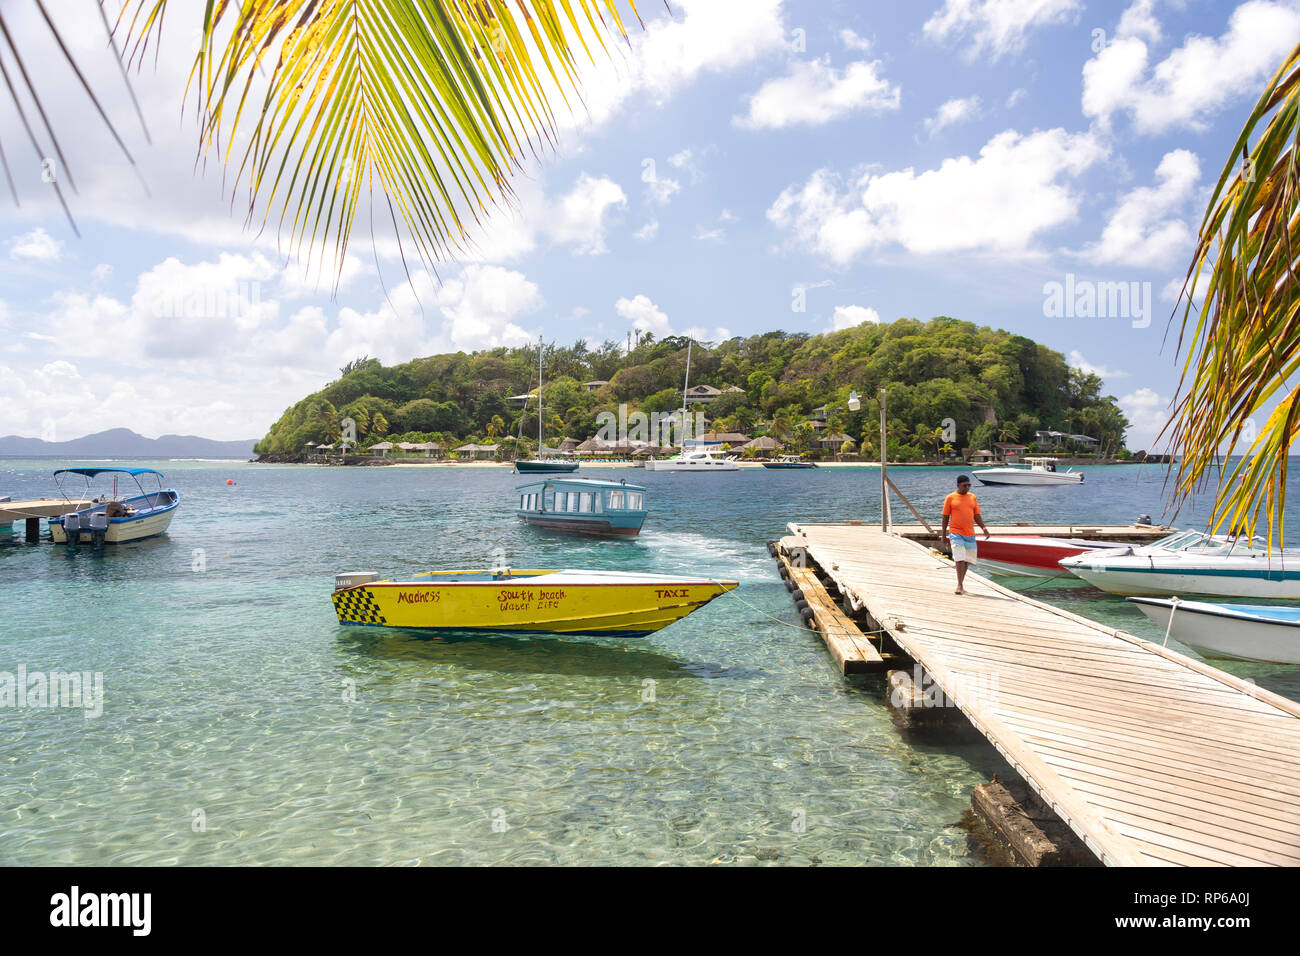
(32, 510)
(1150, 757)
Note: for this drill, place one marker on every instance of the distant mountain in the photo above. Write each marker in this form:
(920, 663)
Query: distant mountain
(124, 443)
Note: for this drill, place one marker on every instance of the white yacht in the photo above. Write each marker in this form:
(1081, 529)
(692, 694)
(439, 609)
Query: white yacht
(693, 459)
(696, 458)
(1041, 471)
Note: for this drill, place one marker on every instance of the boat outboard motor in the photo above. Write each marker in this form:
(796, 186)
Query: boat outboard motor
(72, 526)
(1143, 519)
(350, 579)
(98, 528)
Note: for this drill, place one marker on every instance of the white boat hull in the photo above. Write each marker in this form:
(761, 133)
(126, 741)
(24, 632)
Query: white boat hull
(1153, 583)
(146, 527)
(672, 464)
(1228, 638)
(998, 477)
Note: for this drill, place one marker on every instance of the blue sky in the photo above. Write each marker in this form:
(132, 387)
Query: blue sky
(946, 157)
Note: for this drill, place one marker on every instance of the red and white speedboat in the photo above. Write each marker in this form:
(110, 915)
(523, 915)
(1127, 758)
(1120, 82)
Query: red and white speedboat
(1032, 555)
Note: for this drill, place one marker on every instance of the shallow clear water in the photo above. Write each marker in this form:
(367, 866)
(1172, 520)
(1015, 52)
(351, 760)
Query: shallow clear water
(226, 735)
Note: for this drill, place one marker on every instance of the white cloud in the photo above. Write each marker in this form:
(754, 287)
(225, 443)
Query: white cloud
(688, 161)
(1139, 20)
(996, 205)
(660, 189)
(1147, 411)
(580, 219)
(996, 27)
(848, 316)
(716, 233)
(37, 245)
(649, 230)
(700, 334)
(710, 36)
(101, 272)
(814, 92)
(852, 41)
(644, 315)
(479, 308)
(954, 111)
(1016, 97)
(1196, 80)
(1141, 230)
(1078, 361)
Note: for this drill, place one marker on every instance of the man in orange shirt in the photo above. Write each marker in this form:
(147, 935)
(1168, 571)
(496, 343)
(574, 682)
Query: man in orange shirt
(961, 511)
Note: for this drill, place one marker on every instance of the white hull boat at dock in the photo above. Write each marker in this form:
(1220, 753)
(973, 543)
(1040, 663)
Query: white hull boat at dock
(1192, 563)
(1239, 632)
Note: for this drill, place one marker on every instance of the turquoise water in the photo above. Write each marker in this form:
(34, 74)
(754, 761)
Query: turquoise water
(227, 736)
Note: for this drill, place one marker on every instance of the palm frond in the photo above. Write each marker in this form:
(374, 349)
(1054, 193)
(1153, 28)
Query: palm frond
(1243, 339)
(20, 82)
(435, 102)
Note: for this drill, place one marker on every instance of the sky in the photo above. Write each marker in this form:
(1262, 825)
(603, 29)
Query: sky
(746, 165)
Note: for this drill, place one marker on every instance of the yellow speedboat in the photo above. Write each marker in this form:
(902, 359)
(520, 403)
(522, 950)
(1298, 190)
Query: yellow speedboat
(560, 602)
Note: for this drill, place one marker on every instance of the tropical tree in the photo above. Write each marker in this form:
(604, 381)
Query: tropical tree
(1241, 322)
(429, 106)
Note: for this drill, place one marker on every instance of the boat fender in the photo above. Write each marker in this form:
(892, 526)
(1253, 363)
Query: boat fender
(797, 595)
(807, 615)
(790, 585)
(801, 604)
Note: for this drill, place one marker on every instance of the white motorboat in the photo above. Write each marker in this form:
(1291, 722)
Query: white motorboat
(111, 517)
(1041, 471)
(1192, 562)
(1239, 632)
(693, 459)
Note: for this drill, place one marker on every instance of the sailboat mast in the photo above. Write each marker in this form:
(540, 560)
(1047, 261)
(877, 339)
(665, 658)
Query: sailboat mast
(539, 396)
(685, 385)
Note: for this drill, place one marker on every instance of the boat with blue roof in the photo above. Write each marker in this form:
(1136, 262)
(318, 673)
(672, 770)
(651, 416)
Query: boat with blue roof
(112, 517)
(592, 506)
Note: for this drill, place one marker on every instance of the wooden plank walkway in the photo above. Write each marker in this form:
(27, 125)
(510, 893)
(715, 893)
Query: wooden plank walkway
(1151, 757)
(40, 508)
(852, 650)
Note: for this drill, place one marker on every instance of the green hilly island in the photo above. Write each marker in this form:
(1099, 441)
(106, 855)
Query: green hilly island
(793, 386)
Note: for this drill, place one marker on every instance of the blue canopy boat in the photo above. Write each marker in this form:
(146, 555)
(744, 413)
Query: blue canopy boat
(583, 505)
(1240, 632)
(111, 517)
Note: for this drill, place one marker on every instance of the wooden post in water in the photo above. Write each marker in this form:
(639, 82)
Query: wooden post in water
(884, 476)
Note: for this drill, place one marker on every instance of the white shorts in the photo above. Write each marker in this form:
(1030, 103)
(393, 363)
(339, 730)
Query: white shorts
(963, 548)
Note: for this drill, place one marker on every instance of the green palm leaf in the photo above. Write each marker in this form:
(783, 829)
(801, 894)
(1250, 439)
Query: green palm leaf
(1243, 340)
(432, 104)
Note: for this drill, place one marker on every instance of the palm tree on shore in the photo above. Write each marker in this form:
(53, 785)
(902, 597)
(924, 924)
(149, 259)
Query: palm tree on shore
(1241, 323)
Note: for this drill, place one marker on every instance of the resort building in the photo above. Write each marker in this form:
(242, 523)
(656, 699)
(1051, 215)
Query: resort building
(702, 393)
